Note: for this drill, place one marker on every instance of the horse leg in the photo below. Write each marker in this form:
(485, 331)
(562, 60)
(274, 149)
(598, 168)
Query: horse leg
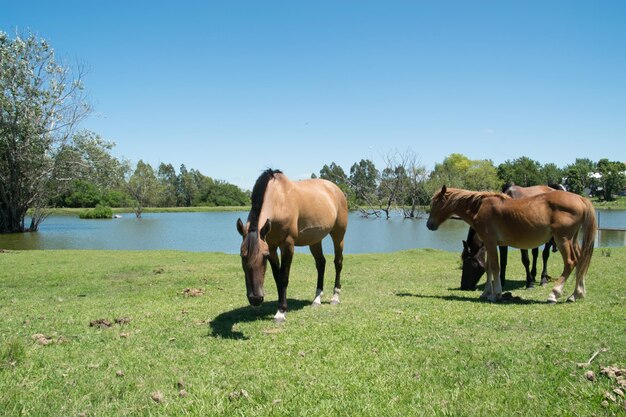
(493, 271)
(286, 254)
(504, 252)
(545, 255)
(533, 271)
(526, 263)
(320, 265)
(567, 249)
(579, 291)
(338, 245)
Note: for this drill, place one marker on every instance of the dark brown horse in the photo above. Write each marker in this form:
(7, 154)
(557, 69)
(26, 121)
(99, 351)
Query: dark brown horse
(473, 254)
(524, 223)
(285, 214)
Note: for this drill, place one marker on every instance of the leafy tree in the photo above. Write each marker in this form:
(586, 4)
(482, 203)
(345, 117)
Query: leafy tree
(186, 187)
(459, 171)
(522, 171)
(41, 103)
(86, 174)
(364, 181)
(551, 174)
(613, 177)
(337, 175)
(168, 180)
(579, 176)
(143, 186)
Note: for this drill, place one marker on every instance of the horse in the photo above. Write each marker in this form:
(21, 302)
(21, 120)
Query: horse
(524, 223)
(285, 214)
(473, 254)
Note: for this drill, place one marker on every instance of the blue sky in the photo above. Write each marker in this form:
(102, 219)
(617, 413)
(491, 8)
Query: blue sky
(231, 88)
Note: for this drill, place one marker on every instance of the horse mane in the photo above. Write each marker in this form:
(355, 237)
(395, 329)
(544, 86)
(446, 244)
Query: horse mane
(560, 187)
(456, 196)
(258, 192)
(506, 186)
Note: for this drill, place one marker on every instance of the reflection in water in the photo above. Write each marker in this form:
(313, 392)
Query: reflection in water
(215, 232)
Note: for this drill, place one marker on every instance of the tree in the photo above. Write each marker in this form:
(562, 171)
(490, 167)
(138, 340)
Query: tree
(143, 187)
(364, 181)
(522, 171)
(337, 175)
(86, 174)
(41, 103)
(459, 171)
(166, 175)
(578, 176)
(551, 174)
(613, 177)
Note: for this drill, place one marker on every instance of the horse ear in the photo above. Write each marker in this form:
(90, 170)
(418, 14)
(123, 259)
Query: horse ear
(266, 229)
(240, 227)
(443, 189)
(465, 246)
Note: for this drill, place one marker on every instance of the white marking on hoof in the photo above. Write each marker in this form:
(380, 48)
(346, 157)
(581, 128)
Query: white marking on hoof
(279, 317)
(552, 298)
(318, 298)
(335, 299)
(571, 299)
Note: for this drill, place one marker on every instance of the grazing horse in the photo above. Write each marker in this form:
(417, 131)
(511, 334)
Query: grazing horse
(285, 214)
(473, 254)
(523, 223)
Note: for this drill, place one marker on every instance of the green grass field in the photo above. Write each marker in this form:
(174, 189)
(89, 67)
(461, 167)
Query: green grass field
(404, 340)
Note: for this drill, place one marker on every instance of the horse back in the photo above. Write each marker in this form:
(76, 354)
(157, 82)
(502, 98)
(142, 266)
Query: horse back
(306, 210)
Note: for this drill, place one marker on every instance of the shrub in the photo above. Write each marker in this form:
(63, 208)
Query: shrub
(100, 212)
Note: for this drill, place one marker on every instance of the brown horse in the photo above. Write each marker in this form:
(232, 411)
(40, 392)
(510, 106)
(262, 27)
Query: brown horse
(523, 223)
(473, 254)
(285, 214)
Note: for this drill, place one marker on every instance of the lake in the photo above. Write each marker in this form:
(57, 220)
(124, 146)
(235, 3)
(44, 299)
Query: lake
(216, 232)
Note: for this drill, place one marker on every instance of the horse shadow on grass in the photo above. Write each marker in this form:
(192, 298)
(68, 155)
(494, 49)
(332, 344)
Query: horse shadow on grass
(223, 325)
(474, 298)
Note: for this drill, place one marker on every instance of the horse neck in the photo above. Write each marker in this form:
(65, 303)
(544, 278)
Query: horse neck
(465, 204)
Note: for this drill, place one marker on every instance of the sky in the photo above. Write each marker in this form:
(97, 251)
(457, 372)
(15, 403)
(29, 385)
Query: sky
(231, 88)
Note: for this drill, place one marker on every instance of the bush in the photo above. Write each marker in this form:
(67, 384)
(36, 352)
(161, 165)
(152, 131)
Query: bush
(100, 212)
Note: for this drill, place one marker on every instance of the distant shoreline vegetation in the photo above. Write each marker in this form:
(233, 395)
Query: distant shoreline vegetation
(618, 204)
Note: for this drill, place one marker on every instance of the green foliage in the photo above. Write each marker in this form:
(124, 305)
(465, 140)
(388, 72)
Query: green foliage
(404, 341)
(100, 212)
(522, 171)
(613, 177)
(578, 176)
(40, 105)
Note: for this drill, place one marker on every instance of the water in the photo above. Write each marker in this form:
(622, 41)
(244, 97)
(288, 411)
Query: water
(216, 232)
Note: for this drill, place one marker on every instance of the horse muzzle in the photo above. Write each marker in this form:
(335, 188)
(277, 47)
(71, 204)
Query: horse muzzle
(431, 224)
(255, 300)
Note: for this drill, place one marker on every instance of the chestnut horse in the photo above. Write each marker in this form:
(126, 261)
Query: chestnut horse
(285, 214)
(473, 254)
(523, 223)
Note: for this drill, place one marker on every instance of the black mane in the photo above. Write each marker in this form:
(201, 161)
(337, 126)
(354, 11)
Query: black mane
(258, 192)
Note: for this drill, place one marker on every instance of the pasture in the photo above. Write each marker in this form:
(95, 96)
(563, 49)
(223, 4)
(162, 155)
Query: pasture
(403, 341)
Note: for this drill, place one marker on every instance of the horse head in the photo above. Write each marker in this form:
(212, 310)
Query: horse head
(254, 254)
(473, 258)
(437, 213)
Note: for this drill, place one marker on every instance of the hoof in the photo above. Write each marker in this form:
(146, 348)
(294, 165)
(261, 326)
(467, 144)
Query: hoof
(334, 302)
(571, 299)
(530, 287)
(551, 302)
(316, 305)
(279, 317)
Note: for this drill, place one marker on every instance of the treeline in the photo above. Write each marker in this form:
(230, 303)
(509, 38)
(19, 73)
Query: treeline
(87, 175)
(404, 184)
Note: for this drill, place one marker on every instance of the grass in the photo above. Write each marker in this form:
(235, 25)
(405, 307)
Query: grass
(404, 340)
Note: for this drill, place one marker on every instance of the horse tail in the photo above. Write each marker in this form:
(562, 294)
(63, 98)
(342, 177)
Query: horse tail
(589, 228)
